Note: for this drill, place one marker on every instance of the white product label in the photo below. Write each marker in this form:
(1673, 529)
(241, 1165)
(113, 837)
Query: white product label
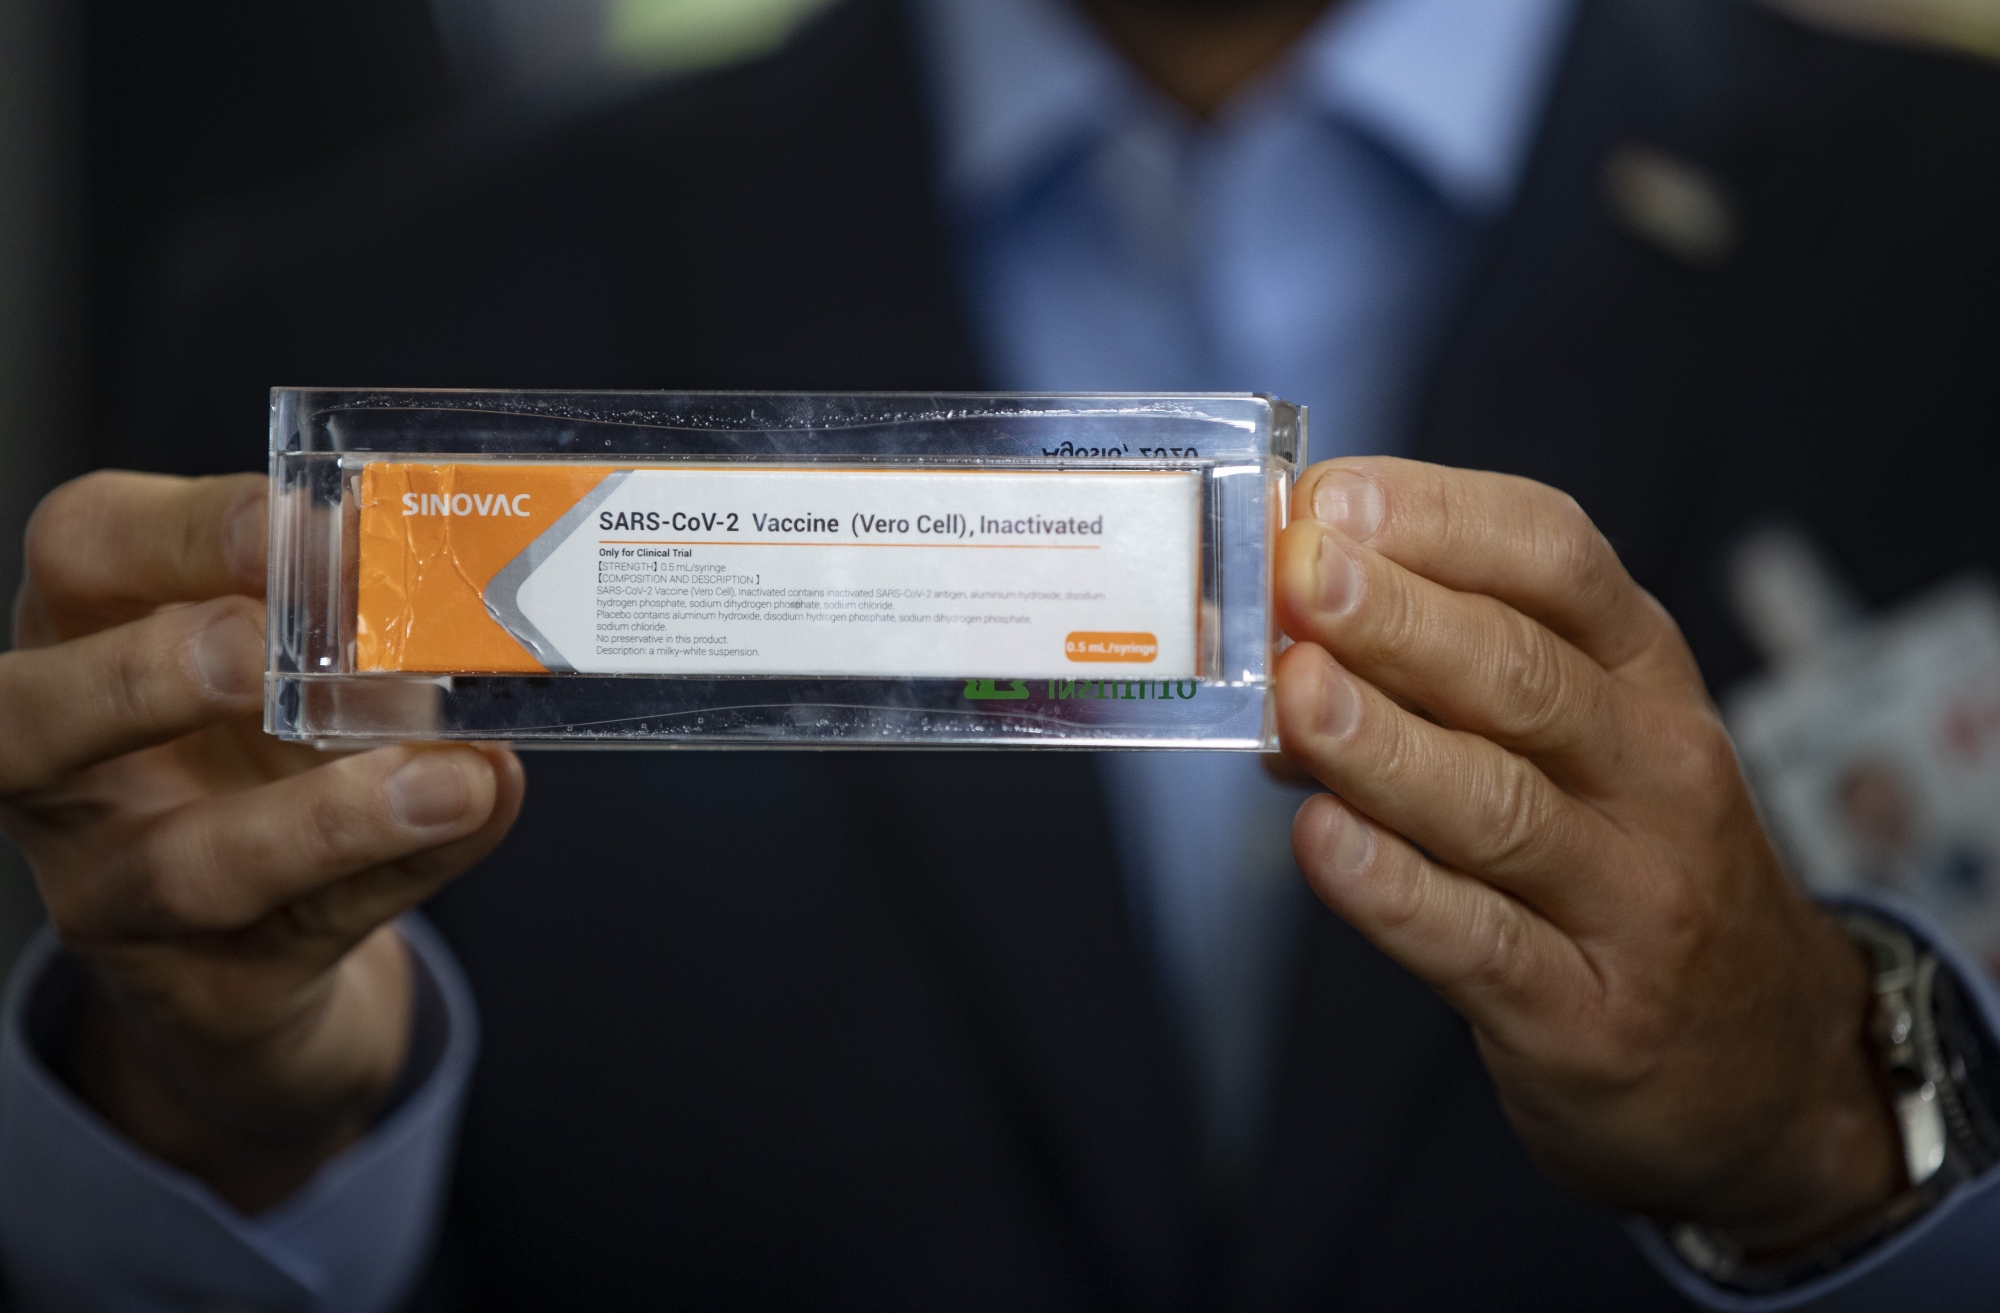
(900, 574)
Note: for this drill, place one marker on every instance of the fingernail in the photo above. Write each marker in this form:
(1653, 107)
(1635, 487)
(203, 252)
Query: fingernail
(427, 791)
(1339, 703)
(228, 657)
(1339, 576)
(1353, 847)
(1350, 502)
(243, 535)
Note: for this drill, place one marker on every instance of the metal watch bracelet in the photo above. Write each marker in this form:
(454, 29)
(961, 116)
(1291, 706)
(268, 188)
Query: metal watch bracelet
(1942, 1072)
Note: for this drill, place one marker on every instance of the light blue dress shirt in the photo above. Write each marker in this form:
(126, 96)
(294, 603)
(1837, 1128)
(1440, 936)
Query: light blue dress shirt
(1309, 241)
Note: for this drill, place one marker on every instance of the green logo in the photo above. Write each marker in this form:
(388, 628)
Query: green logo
(1063, 690)
(989, 690)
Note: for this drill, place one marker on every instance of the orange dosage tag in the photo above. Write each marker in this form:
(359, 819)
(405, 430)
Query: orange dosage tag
(1122, 648)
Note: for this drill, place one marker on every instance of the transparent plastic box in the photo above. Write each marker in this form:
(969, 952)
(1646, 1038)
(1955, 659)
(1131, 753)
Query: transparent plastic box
(788, 570)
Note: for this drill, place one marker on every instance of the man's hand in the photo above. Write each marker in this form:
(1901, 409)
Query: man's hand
(1538, 812)
(249, 1002)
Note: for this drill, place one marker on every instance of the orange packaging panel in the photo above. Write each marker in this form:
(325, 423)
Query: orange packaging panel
(432, 538)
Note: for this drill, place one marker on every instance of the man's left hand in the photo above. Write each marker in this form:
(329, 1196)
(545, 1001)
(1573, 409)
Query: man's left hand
(1536, 809)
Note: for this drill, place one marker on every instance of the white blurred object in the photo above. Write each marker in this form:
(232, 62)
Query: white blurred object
(1972, 25)
(1874, 742)
(681, 35)
(1786, 597)
(512, 45)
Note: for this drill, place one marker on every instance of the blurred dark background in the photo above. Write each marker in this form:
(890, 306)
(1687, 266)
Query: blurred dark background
(127, 127)
(182, 105)
(121, 117)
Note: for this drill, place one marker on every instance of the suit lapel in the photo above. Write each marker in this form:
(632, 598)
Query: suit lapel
(1587, 355)
(1563, 290)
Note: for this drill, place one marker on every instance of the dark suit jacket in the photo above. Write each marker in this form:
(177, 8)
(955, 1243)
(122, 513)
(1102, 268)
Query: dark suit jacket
(877, 1033)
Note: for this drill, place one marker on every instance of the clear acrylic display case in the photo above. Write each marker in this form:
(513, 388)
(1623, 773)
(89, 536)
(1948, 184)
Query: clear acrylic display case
(333, 451)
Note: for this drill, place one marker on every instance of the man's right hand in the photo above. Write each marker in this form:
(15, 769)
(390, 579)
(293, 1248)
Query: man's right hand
(249, 1001)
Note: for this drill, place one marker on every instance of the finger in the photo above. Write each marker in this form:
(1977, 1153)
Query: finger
(101, 696)
(113, 545)
(1489, 956)
(1468, 661)
(1465, 800)
(226, 862)
(346, 911)
(1520, 541)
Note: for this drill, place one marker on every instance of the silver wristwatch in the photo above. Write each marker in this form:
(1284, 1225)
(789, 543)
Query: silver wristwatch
(1942, 1073)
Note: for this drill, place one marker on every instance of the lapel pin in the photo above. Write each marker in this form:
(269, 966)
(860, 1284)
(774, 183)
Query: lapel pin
(1671, 203)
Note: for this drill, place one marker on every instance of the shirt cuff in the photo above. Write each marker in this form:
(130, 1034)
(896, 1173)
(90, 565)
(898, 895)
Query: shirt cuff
(88, 1221)
(1946, 1259)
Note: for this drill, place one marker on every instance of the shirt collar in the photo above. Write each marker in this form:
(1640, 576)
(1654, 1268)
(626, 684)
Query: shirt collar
(1452, 87)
